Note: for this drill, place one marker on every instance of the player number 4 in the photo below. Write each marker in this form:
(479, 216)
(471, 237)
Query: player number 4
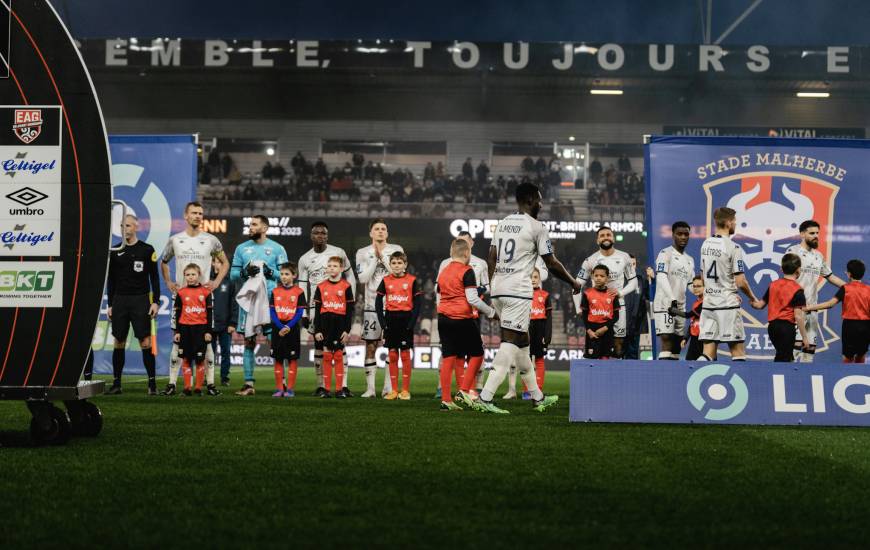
(711, 273)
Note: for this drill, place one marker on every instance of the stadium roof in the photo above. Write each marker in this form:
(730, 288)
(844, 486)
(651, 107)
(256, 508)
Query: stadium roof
(729, 22)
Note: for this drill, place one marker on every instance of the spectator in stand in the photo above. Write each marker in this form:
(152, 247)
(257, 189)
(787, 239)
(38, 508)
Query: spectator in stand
(319, 168)
(528, 165)
(249, 193)
(358, 160)
(624, 163)
(369, 172)
(278, 171)
(540, 167)
(468, 169)
(439, 170)
(429, 172)
(482, 173)
(266, 172)
(595, 170)
(298, 163)
(226, 165)
(214, 159)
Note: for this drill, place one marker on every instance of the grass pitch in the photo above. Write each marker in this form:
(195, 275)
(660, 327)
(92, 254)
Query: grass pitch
(244, 472)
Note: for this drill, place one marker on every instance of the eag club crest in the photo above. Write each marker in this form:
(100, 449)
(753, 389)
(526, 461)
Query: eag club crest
(27, 124)
(770, 207)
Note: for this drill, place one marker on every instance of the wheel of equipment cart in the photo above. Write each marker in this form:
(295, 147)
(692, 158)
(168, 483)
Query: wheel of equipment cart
(50, 425)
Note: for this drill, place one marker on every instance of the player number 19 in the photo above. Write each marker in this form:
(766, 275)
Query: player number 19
(508, 246)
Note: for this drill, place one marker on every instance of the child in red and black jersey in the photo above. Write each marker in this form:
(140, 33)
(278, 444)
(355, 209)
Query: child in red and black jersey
(333, 314)
(398, 305)
(286, 307)
(855, 297)
(193, 325)
(599, 310)
(785, 302)
(694, 347)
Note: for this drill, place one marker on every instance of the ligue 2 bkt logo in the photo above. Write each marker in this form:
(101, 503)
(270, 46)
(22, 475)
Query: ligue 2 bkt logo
(770, 207)
(717, 392)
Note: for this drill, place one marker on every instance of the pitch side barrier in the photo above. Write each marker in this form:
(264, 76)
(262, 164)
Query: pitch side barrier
(55, 212)
(695, 392)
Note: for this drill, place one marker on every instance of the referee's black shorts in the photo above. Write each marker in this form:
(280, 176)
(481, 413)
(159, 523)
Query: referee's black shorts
(130, 310)
(459, 337)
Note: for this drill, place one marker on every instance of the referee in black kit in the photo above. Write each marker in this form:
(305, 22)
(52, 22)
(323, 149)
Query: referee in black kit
(133, 288)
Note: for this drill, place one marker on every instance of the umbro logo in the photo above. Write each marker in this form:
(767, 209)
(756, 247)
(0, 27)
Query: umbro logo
(26, 196)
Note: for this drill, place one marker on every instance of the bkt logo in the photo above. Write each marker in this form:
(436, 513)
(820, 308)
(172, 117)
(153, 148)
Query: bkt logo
(26, 280)
(717, 392)
(473, 226)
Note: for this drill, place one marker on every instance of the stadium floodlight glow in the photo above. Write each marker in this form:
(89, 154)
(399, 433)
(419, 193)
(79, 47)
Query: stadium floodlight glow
(270, 151)
(570, 138)
(813, 94)
(601, 91)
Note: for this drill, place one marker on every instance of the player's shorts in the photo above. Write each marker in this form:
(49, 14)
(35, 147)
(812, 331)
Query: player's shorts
(127, 310)
(459, 337)
(537, 332)
(372, 329)
(513, 313)
(287, 347)
(397, 334)
(812, 328)
(192, 345)
(669, 324)
(856, 337)
(331, 326)
(722, 325)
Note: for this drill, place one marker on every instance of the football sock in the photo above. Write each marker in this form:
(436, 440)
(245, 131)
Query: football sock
(118, 357)
(209, 364)
(339, 369)
(504, 358)
(327, 370)
(664, 355)
(200, 374)
(446, 373)
(185, 368)
(478, 382)
(406, 370)
(394, 367)
(174, 365)
(370, 368)
(474, 365)
(291, 374)
(540, 371)
(248, 365)
(388, 387)
(459, 370)
(440, 364)
(527, 372)
(318, 366)
(512, 379)
(279, 375)
(149, 363)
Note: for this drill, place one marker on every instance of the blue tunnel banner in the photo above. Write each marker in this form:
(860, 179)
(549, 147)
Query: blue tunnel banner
(773, 184)
(156, 177)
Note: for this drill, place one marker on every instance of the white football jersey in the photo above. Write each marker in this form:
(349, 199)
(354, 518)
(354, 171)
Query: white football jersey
(199, 250)
(519, 239)
(679, 270)
(721, 260)
(371, 271)
(813, 266)
(312, 269)
(618, 263)
(478, 265)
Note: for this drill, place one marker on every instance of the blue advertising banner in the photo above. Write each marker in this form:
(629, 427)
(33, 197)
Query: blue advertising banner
(674, 392)
(156, 177)
(774, 184)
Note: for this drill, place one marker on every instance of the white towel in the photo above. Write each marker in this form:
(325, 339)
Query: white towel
(254, 301)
